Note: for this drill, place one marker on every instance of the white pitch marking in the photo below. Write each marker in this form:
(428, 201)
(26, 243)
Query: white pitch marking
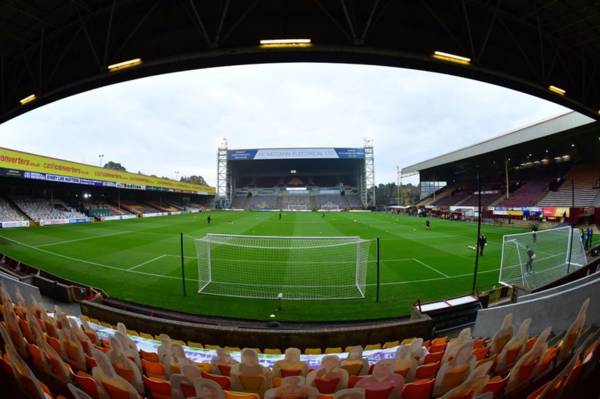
(430, 267)
(146, 262)
(83, 239)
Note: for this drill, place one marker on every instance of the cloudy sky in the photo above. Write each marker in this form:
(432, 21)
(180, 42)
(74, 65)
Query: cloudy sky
(173, 122)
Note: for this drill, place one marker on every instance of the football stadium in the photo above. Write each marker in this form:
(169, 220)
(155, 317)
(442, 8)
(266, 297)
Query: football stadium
(292, 277)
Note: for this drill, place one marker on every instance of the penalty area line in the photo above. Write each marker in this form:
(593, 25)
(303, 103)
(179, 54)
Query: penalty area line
(146, 262)
(430, 267)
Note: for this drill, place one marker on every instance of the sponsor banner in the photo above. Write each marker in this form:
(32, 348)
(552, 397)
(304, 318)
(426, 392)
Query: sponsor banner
(295, 153)
(80, 220)
(38, 167)
(114, 217)
(176, 213)
(154, 214)
(556, 212)
(48, 222)
(123, 217)
(16, 223)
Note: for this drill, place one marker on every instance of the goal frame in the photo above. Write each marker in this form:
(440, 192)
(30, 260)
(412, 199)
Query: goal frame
(360, 286)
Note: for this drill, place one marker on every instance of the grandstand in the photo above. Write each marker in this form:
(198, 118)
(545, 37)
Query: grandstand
(299, 179)
(549, 169)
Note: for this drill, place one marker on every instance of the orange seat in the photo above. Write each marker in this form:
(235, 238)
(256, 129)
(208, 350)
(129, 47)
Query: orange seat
(463, 395)
(28, 386)
(115, 392)
(437, 348)
(26, 330)
(251, 383)
(479, 343)
(152, 369)
(90, 362)
(420, 389)
(6, 367)
(480, 353)
(511, 355)
(188, 391)
(224, 369)
(160, 389)
(326, 386)
(427, 371)
(551, 393)
(378, 393)
(124, 372)
(54, 343)
(455, 376)
(241, 395)
(353, 379)
(433, 357)
(86, 383)
(149, 356)
(290, 372)
(496, 385)
(36, 357)
(222, 380)
(547, 359)
(530, 342)
(439, 341)
(526, 370)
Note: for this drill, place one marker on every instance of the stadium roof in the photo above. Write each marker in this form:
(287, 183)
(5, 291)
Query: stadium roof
(546, 128)
(50, 49)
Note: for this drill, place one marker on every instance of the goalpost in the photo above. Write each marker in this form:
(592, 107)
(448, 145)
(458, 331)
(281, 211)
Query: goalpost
(299, 268)
(557, 252)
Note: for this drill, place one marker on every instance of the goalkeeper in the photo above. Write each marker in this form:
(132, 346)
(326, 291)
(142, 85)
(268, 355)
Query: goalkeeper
(530, 258)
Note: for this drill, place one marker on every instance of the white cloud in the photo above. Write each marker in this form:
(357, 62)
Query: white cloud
(173, 122)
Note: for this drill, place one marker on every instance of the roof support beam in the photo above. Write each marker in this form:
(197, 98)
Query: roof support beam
(135, 29)
(108, 33)
(239, 20)
(488, 32)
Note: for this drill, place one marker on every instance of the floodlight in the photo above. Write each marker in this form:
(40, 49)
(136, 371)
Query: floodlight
(279, 43)
(440, 55)
(557, 90)
(28, 99)
(124, 65)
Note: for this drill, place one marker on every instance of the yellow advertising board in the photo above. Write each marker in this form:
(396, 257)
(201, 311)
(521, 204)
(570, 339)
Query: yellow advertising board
(39, 167)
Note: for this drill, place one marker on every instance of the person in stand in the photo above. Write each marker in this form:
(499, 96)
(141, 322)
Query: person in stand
(279, 215)
(482, 244)
(208, 219)
(530, 258)
(427, 225)
(591, 236)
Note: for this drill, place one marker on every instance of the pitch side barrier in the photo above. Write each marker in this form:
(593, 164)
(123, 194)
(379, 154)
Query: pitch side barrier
(557, 309)
(12, 285)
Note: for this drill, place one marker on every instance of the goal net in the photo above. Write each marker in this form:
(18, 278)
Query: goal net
(531, 260)
(299, 268)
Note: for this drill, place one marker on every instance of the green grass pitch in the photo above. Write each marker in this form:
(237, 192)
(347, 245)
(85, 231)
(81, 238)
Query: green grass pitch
(138, 260)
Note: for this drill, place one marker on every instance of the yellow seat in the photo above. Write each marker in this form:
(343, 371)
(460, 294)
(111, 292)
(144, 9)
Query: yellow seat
(312, 351)
(84, 318)
(337, 349)
(256, 349)
(372, 347)
(407, 341)
(178, 342)
(106, 325)
(240, 395)
(193, 344)
(232, 349)
(271, 351)
(212, 347)
(391, 344)
(251, 383)
(146, 335)
(206, 367)
(133, 333)
(95, 321)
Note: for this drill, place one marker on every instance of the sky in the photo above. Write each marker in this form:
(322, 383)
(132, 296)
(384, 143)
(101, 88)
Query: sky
(174, 122)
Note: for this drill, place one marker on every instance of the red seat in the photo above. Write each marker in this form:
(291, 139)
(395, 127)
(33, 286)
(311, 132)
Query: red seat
(326, 386)
(159, 389)
(433, 357)
(290, 372)
(149, 356)
(155, 370)
(353, 379)
(496, 385)
(86, 383)
(222, 380)
(224, 369)
(437, 348)
(420, 389)
(379, 393)
(115, 392)
(427, 371)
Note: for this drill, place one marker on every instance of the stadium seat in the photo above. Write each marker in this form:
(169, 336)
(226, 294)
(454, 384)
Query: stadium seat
(240, 395)
(312, 351)
(378, 393)
(223, 381)
(149, 356)
(86, 383)
(353, 379)
(372, 347)
(154, 369)
(225, 369)
(146, 335)
(427, 371)
(158, 388)
(391, 344)
(252, 383)
(333, 350)
(439, 341)
(529, 344)
(433, 357)
(496, 385)
(326, 386)
(193, 344)
(211, 347)
(480, 353)
(271, 351)
(133, 333)
(420, 389)
(232, 349)
(114, 392)
(352, 369)
(437, 348)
